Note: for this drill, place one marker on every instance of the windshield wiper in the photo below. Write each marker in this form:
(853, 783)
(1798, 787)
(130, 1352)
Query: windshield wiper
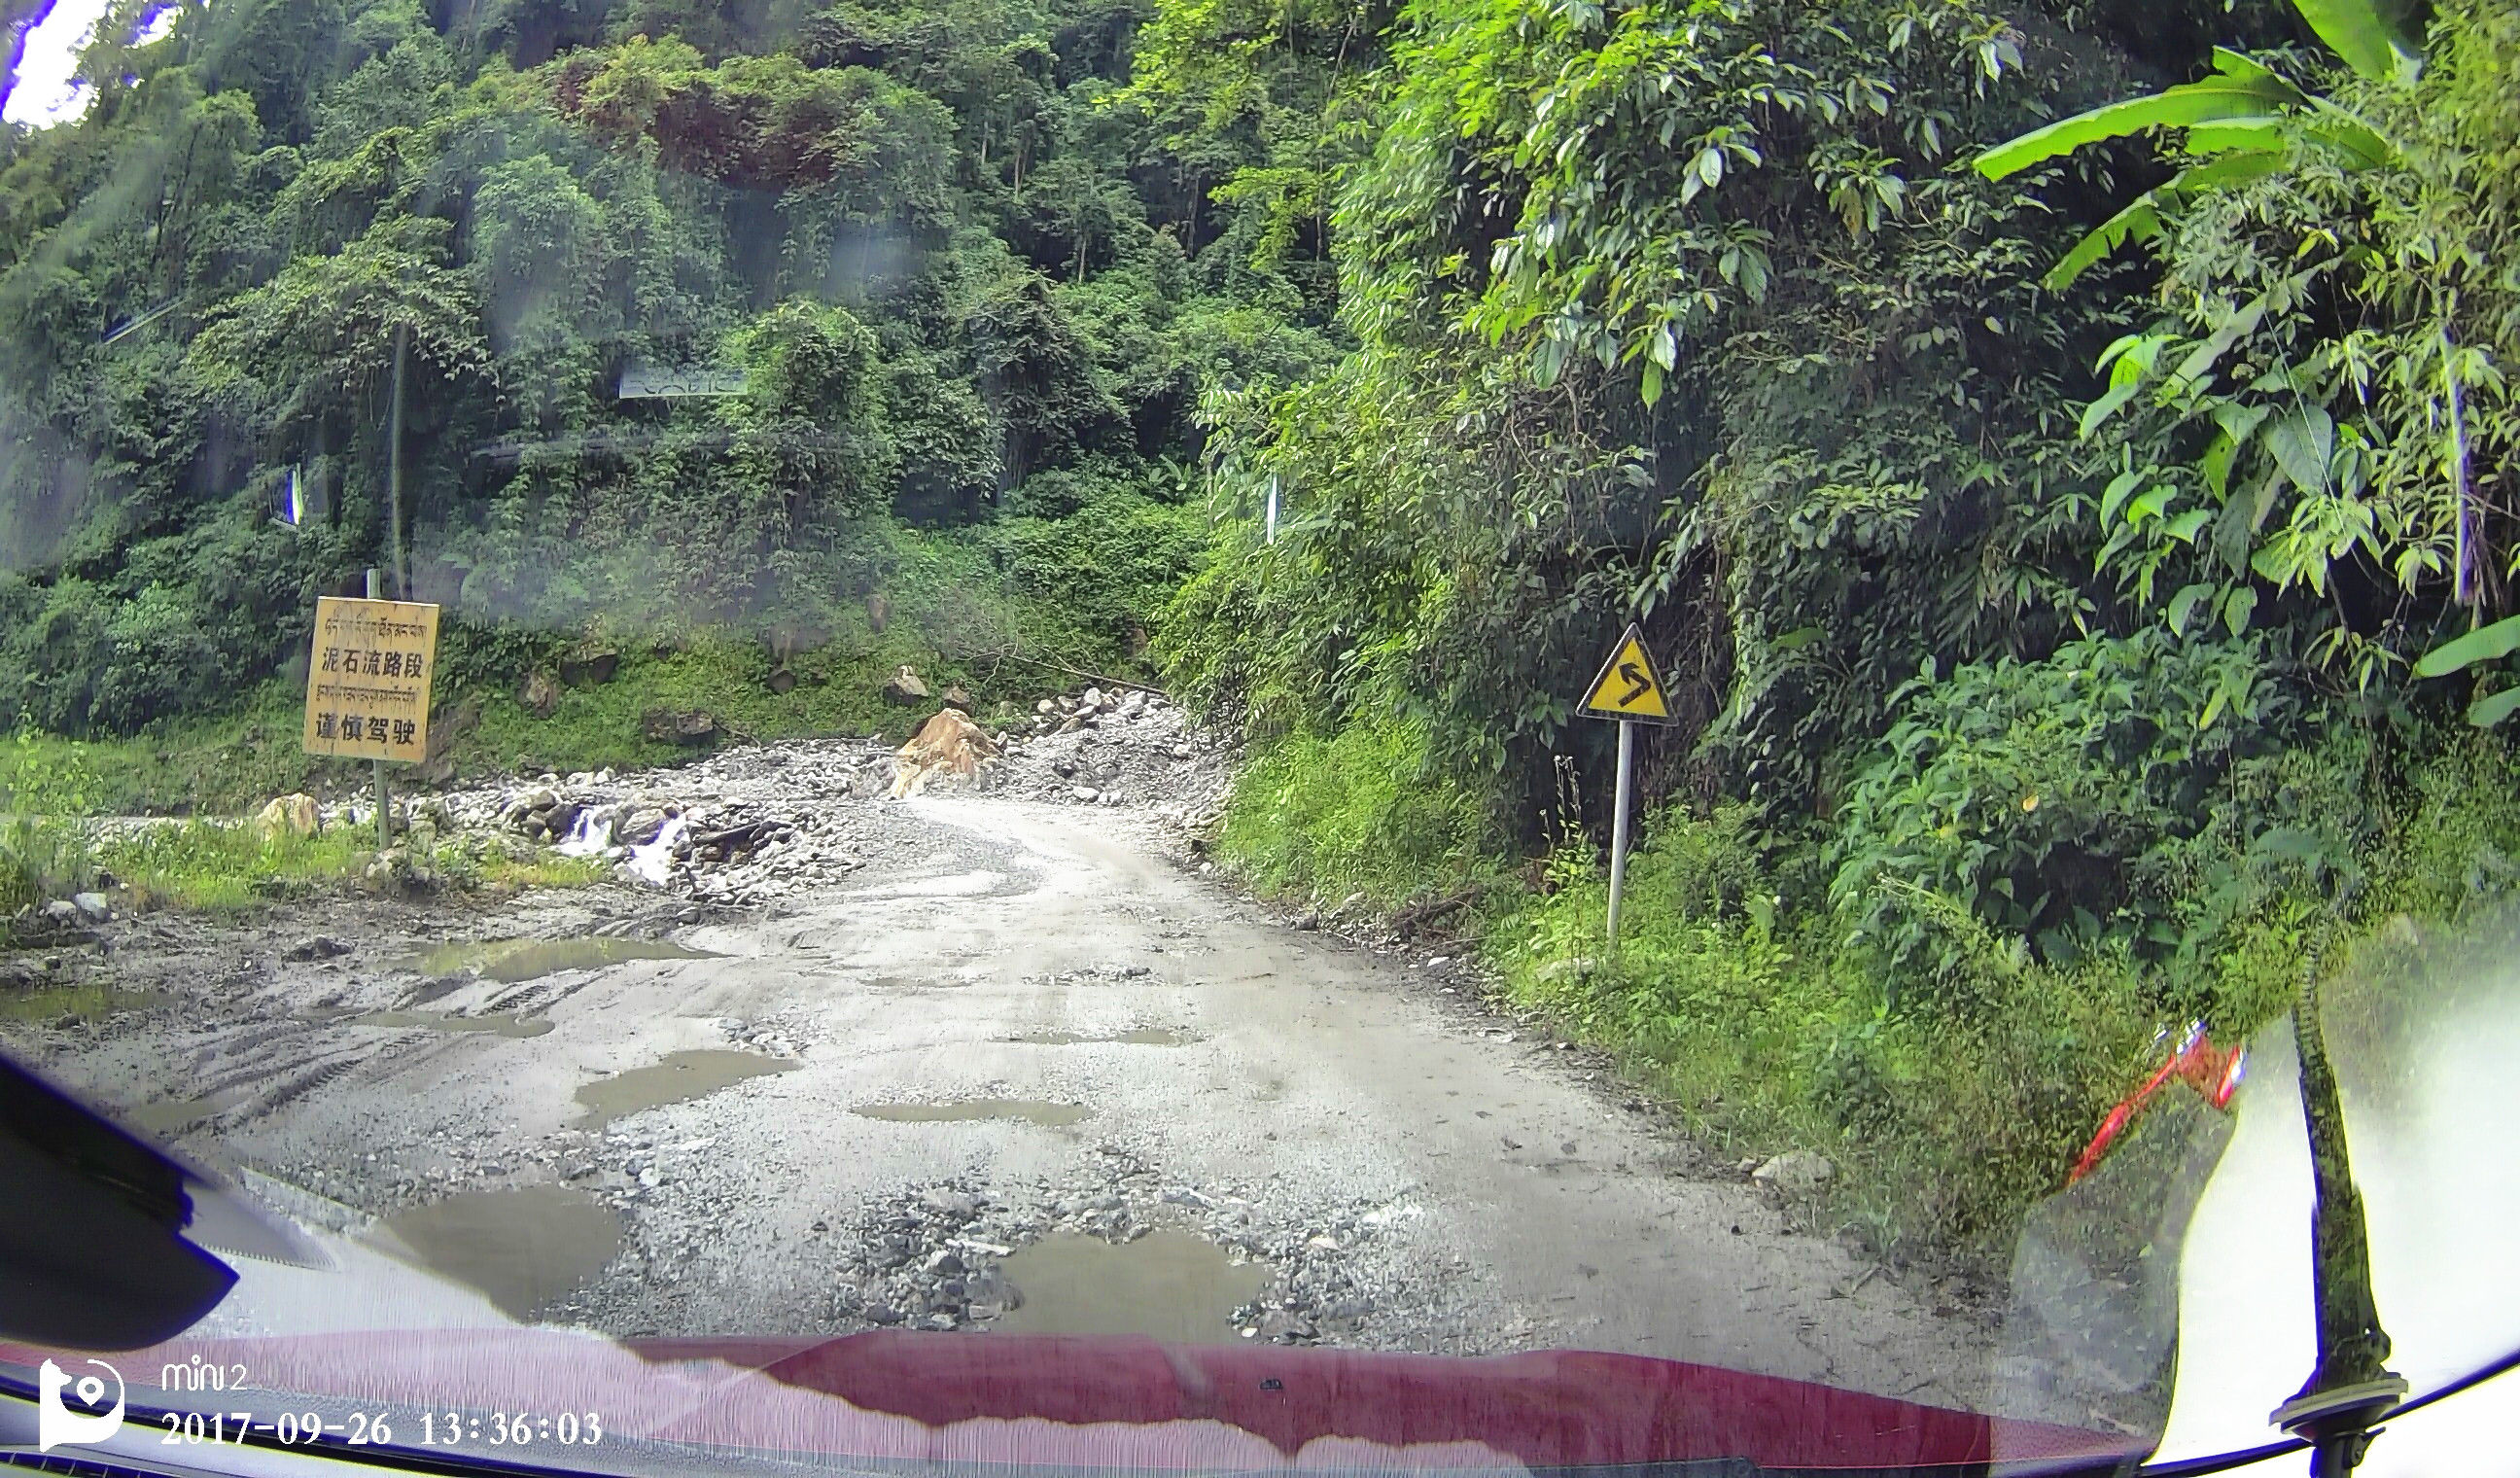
(2351, 1387)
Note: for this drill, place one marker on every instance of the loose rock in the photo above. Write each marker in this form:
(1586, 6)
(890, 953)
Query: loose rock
(294, 815)
(1796, 1170)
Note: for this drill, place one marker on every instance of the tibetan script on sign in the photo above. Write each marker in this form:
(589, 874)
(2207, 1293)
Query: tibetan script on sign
(367, 684)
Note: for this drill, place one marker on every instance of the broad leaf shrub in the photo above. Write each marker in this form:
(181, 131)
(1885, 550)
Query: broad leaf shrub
(2032, 794)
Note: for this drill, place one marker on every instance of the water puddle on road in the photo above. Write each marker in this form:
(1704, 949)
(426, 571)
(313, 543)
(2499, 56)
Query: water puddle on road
(168, 1116)
(1144, 1036)
(519, 1249)
(511, 961)
(1030, 1110)
(83, 1003)
(677, 1079)
(498, 1023)
(1166, 1285)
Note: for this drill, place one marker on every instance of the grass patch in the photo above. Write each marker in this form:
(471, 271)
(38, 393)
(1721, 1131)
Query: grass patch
(997, 608)
(232, 762)
(50, 848)
(218, 866)
(1355, 812)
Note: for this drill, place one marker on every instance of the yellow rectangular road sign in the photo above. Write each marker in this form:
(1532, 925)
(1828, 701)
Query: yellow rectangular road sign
(367, 685)
(1630, 686)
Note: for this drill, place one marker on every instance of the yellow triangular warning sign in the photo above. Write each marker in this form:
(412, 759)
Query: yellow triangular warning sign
(1630, 686)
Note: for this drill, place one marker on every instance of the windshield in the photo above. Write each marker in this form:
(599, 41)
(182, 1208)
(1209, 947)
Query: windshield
(1182, 734)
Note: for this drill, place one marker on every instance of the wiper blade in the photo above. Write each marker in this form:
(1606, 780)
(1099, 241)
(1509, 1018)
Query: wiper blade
(2223, 1462)
(2351, 1386)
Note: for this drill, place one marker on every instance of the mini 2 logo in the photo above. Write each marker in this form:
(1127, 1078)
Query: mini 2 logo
(56, 1422)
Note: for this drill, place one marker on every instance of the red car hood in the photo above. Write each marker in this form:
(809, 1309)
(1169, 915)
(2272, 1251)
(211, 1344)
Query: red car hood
(1118, 1403)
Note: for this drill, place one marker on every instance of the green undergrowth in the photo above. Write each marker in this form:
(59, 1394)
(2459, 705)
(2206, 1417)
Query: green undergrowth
(1012, 610)
(1952, 1110)
(1951, 1093)
(1355, 812)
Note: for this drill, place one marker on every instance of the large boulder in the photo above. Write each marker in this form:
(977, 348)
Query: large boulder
(906, 687)
(292, 815)
(540, 694)
(948, 745)
(690, 729)
(641, 825)
(588, 668)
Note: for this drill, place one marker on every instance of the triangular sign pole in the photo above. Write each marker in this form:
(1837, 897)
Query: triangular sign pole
(1628, 689)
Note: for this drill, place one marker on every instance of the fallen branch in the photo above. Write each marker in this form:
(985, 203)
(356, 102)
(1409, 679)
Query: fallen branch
(1409, 920)
(1091, 677)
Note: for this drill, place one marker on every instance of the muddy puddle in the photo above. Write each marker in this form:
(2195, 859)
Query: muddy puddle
(677, 1079)
(520, 1248)
(511, 961)
(1030, 1110)
(1144, 1036)
(497, 1023)
(1166, 1285)
(170, 1116)
(87, 1002)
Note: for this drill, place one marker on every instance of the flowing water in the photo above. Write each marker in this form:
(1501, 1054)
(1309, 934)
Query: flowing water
(588, 836)
(650, 861)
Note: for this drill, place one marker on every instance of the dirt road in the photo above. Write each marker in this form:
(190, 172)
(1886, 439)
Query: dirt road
(1020, 1071)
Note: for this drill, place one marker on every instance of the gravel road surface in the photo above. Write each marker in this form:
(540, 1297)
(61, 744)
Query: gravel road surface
(1021, 1065)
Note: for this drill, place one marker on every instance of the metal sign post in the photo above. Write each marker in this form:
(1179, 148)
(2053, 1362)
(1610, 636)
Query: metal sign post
(1619, 824)
(1630, 689)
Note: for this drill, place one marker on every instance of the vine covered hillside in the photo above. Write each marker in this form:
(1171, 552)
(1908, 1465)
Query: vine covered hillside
(696, 323)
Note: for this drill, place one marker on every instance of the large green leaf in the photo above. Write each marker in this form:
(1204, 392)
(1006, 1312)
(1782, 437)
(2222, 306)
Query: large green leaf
(2483, 645)
(2301, 441)
(2140, 219)
(2241, 90)
(2493, 708)
(2370, 42)
(2355, 143)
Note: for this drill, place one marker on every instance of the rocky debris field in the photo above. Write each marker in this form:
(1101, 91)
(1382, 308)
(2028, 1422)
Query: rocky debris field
(1108, 748)
(746, 827)
(750, 826)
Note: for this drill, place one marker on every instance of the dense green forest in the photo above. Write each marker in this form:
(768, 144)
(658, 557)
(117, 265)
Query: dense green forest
(2049, 611)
